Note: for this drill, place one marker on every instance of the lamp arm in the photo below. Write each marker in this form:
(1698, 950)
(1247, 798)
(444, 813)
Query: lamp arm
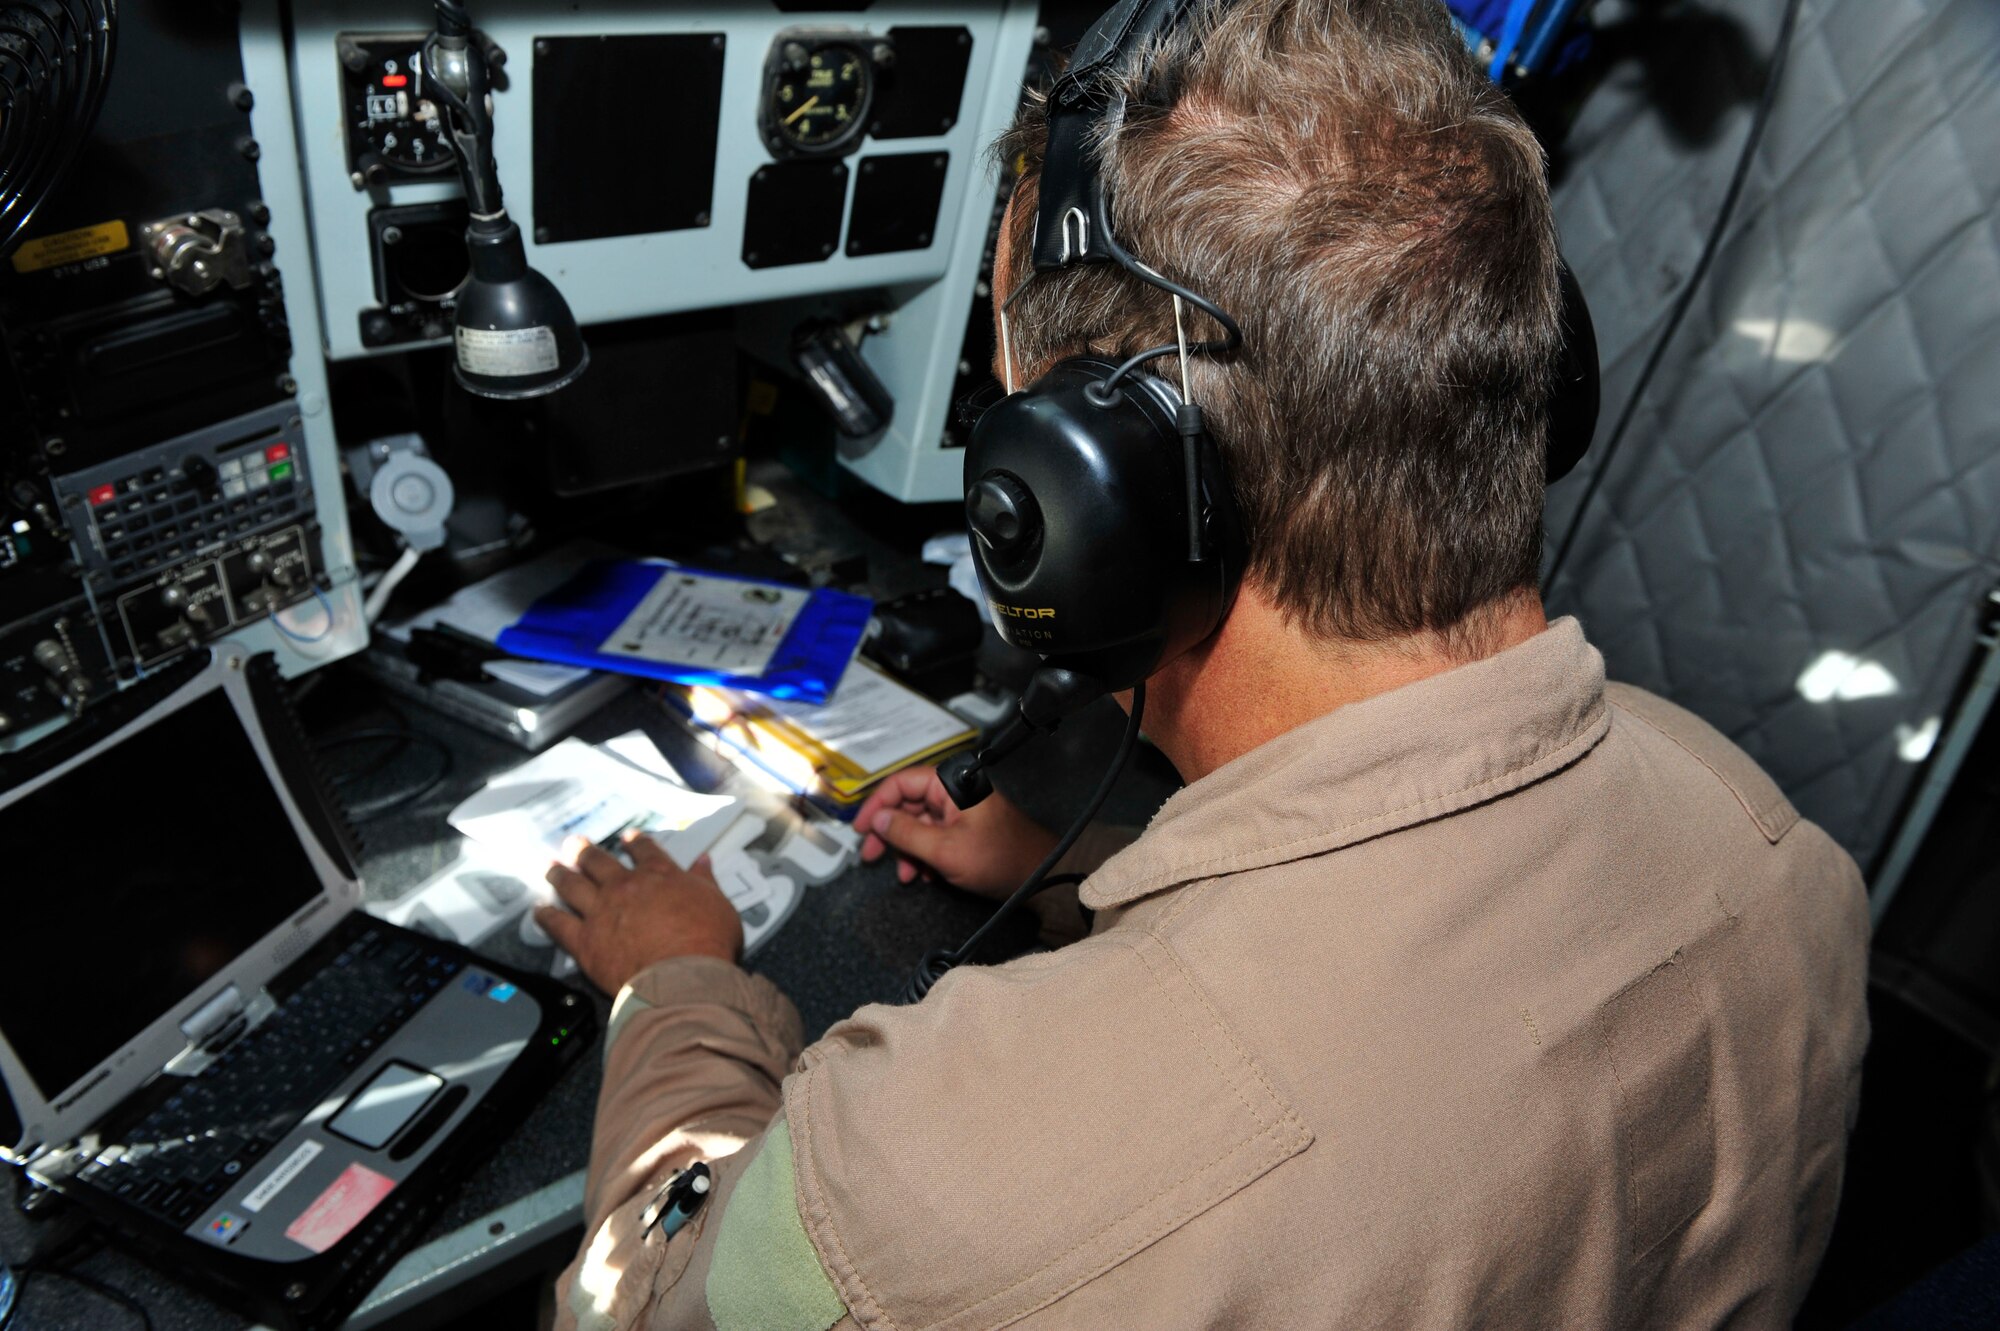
(460, 80)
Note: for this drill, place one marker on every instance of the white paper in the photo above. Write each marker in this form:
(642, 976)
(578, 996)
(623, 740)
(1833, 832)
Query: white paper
(442, 907)
(717, 624)
(494, 604)
(488, 889)
(690, 843)
(872, 720)
(574, 790)
(637, 748)
(764, 852)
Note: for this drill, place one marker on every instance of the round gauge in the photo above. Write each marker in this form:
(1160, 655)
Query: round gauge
(394, 129)
(819, 96)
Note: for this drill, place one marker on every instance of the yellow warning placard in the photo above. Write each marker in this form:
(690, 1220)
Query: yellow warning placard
(71, 247)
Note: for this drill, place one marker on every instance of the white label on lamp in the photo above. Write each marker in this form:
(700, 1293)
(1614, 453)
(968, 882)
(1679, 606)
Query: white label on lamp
(507, 353)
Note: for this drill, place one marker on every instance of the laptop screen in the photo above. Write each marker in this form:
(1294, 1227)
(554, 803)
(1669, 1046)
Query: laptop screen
(150, 867)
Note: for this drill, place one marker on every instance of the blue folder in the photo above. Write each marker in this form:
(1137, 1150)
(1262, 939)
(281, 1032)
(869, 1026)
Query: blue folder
(571, 624)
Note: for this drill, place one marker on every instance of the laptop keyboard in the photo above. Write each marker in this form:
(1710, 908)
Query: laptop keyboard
(197, 1142)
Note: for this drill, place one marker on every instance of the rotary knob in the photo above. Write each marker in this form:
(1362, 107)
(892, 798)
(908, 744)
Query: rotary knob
(1003, 514)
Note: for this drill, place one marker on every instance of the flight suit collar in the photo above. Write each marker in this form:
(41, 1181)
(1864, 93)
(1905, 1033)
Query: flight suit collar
(1423, 751)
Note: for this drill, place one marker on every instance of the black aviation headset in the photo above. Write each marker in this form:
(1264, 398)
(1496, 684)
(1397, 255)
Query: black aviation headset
(1104, 530)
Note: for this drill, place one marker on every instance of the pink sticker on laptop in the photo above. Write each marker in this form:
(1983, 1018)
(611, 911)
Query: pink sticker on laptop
(345, 1204)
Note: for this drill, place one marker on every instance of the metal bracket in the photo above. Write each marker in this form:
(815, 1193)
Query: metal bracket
(198, 252)
(1082, 249)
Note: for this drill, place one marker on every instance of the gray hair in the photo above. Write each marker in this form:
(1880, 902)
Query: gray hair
(1340, 177)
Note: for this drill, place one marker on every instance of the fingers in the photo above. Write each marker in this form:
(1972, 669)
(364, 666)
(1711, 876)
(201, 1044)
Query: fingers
(878, 798)
(906, 790)
(912, 836)
(915, 785)
(560, 925)
(572, 887)
(872, 845)
(600, 866)
(647, 853)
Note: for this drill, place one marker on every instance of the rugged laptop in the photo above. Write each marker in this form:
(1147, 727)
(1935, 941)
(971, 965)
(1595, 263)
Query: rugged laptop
(206, 1043)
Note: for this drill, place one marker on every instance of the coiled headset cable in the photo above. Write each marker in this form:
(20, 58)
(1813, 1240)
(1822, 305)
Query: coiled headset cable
(936, 963)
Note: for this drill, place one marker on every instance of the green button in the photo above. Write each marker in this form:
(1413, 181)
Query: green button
(280, 471)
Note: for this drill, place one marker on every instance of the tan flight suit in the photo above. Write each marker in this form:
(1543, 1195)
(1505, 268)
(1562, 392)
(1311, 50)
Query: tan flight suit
(1505, 999)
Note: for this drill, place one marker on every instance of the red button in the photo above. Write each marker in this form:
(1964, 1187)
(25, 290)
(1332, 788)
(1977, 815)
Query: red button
(103, 494)
(277, 452)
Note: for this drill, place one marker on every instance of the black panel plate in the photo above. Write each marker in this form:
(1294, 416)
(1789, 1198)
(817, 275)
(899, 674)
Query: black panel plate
(920, 96)
(598, 173)
(896, 203)
(794, 212)
(660, 399)
(126, 359)
(418, 274)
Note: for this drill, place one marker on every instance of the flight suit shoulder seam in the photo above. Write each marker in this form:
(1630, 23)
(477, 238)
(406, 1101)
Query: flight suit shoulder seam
(1193, 982)
(1773, 825)
(1216, 1018)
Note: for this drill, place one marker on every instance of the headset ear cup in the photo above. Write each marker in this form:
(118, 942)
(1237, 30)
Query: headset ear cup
(1078, 506)
(1222, 521)
(1573, 405)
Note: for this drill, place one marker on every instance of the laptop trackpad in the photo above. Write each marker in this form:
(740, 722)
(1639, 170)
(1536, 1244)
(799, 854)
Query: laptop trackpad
(378, 1111)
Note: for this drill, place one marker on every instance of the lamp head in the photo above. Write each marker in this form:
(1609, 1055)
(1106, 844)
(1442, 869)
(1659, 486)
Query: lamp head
(513, 332)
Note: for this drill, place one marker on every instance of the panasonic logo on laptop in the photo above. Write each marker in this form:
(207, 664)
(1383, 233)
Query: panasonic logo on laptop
(81, 1091)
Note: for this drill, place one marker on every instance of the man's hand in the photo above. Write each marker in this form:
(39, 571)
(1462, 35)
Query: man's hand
(988, 849)
(627, 919)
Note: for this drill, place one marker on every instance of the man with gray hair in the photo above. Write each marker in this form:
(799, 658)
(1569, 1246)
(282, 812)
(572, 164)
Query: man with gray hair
(1457, 986)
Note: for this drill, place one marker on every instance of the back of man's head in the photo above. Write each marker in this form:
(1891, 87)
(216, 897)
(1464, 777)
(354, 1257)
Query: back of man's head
(1339, 176)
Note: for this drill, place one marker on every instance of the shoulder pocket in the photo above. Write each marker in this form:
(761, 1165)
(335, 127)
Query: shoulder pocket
(1656, 1045)
(1027, 1127)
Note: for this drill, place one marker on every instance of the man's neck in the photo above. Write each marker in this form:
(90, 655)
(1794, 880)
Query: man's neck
(1259, 676)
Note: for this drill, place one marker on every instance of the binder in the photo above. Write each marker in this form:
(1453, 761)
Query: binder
(666, 621)
(832, 755)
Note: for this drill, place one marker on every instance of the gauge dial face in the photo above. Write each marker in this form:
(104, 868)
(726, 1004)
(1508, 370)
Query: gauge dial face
(392, 124)
(819, 96)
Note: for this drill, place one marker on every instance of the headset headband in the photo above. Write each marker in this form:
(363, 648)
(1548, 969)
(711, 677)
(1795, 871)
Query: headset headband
(1072, 218)
(1084, 106)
